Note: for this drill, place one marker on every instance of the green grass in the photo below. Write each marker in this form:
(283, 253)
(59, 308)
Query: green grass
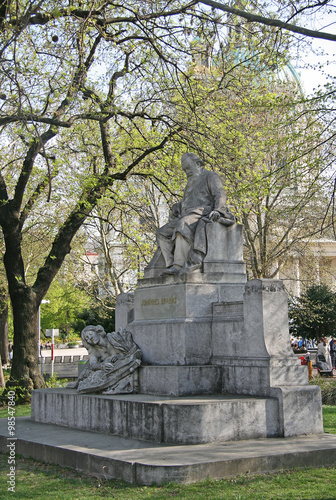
(20, 411)
(329, 420)
(39, 480)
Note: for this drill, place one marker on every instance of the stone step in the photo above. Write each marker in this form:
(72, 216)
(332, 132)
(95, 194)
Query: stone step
(144, 462)
(183, 420)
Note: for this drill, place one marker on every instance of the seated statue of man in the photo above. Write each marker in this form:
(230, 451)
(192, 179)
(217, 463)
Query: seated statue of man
(183, 239)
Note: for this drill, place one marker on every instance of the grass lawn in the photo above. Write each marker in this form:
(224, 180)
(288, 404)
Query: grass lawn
(20, 411)
(329, 420)
(39, 480)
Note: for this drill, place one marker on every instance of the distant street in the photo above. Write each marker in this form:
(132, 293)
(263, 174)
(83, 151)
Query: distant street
(68, 368)
(77, 351)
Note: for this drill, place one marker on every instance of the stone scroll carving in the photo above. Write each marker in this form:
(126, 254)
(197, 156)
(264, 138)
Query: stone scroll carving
(112, 364)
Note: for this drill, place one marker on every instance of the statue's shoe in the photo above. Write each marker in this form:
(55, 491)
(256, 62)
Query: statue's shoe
(190, 268)
(171, 270)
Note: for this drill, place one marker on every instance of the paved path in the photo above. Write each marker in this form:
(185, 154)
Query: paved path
(143, 462)
(78, 351)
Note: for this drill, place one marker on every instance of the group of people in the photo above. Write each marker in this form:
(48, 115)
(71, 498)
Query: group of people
(325, 354)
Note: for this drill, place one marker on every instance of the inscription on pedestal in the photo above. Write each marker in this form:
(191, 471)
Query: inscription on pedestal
(156, 304)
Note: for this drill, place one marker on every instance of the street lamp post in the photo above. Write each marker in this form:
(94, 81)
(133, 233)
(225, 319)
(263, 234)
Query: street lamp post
(39, 350)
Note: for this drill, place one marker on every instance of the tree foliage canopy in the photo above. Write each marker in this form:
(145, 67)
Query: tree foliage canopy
(81, 108)
(313, 315)
(97, 96)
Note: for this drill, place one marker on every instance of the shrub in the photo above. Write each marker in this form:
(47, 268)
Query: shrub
(328, 388)
(54, 381)
(22, 392)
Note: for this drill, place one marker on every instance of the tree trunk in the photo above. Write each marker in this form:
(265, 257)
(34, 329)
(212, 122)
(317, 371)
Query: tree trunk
(2, 380)
(25, 360)
(4, 355)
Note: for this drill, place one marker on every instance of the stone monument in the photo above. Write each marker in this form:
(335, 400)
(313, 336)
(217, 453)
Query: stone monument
(216, 359)
(202, 328)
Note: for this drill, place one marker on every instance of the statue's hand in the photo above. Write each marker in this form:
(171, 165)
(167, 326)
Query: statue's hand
(107, 367)
(115, 358)
(214, 216)
(175, 211)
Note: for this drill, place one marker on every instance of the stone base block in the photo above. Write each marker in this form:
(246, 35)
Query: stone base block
(190, 420)
(300, 409)
(180, 380)
(255, 375)
(173, 317)
(174, 342)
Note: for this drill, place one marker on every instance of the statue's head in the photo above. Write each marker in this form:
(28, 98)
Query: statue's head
(91, 335)
(191, 163)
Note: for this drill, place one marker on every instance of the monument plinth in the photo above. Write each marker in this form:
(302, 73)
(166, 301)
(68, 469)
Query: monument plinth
(201, 333)
(217, 365)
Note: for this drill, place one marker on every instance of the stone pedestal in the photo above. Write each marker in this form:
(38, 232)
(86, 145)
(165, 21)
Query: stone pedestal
(257, 354)
(173, 316)
(217, 363)
(191, 420)
(202, 335)
(257, 358)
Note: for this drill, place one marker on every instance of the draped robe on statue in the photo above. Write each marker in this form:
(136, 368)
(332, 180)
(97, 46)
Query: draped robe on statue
(203, 194)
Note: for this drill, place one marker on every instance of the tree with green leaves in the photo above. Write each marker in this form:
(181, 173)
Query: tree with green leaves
(122, 227)
(65, 303)
(313, 315)
(268, 143)
(85, 103)
(88, 98)
(85, 76)
(280, 14)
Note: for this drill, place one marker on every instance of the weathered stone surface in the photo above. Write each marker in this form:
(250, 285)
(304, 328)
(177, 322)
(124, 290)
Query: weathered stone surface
(184, 420)
(251, 341)
(256, 375)
(225, 252)
(112, 364)
(254, 351)
(180, 380)
(173, 316)
(266, 318)
(135, 461)
(175, 301)
(300, 409)
(124, 311)
(174, 342)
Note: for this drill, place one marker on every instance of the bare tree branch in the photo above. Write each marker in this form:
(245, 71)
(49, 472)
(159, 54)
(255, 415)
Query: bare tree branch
(268, 21)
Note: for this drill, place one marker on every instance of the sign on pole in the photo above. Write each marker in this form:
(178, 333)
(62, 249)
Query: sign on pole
(50, 332)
